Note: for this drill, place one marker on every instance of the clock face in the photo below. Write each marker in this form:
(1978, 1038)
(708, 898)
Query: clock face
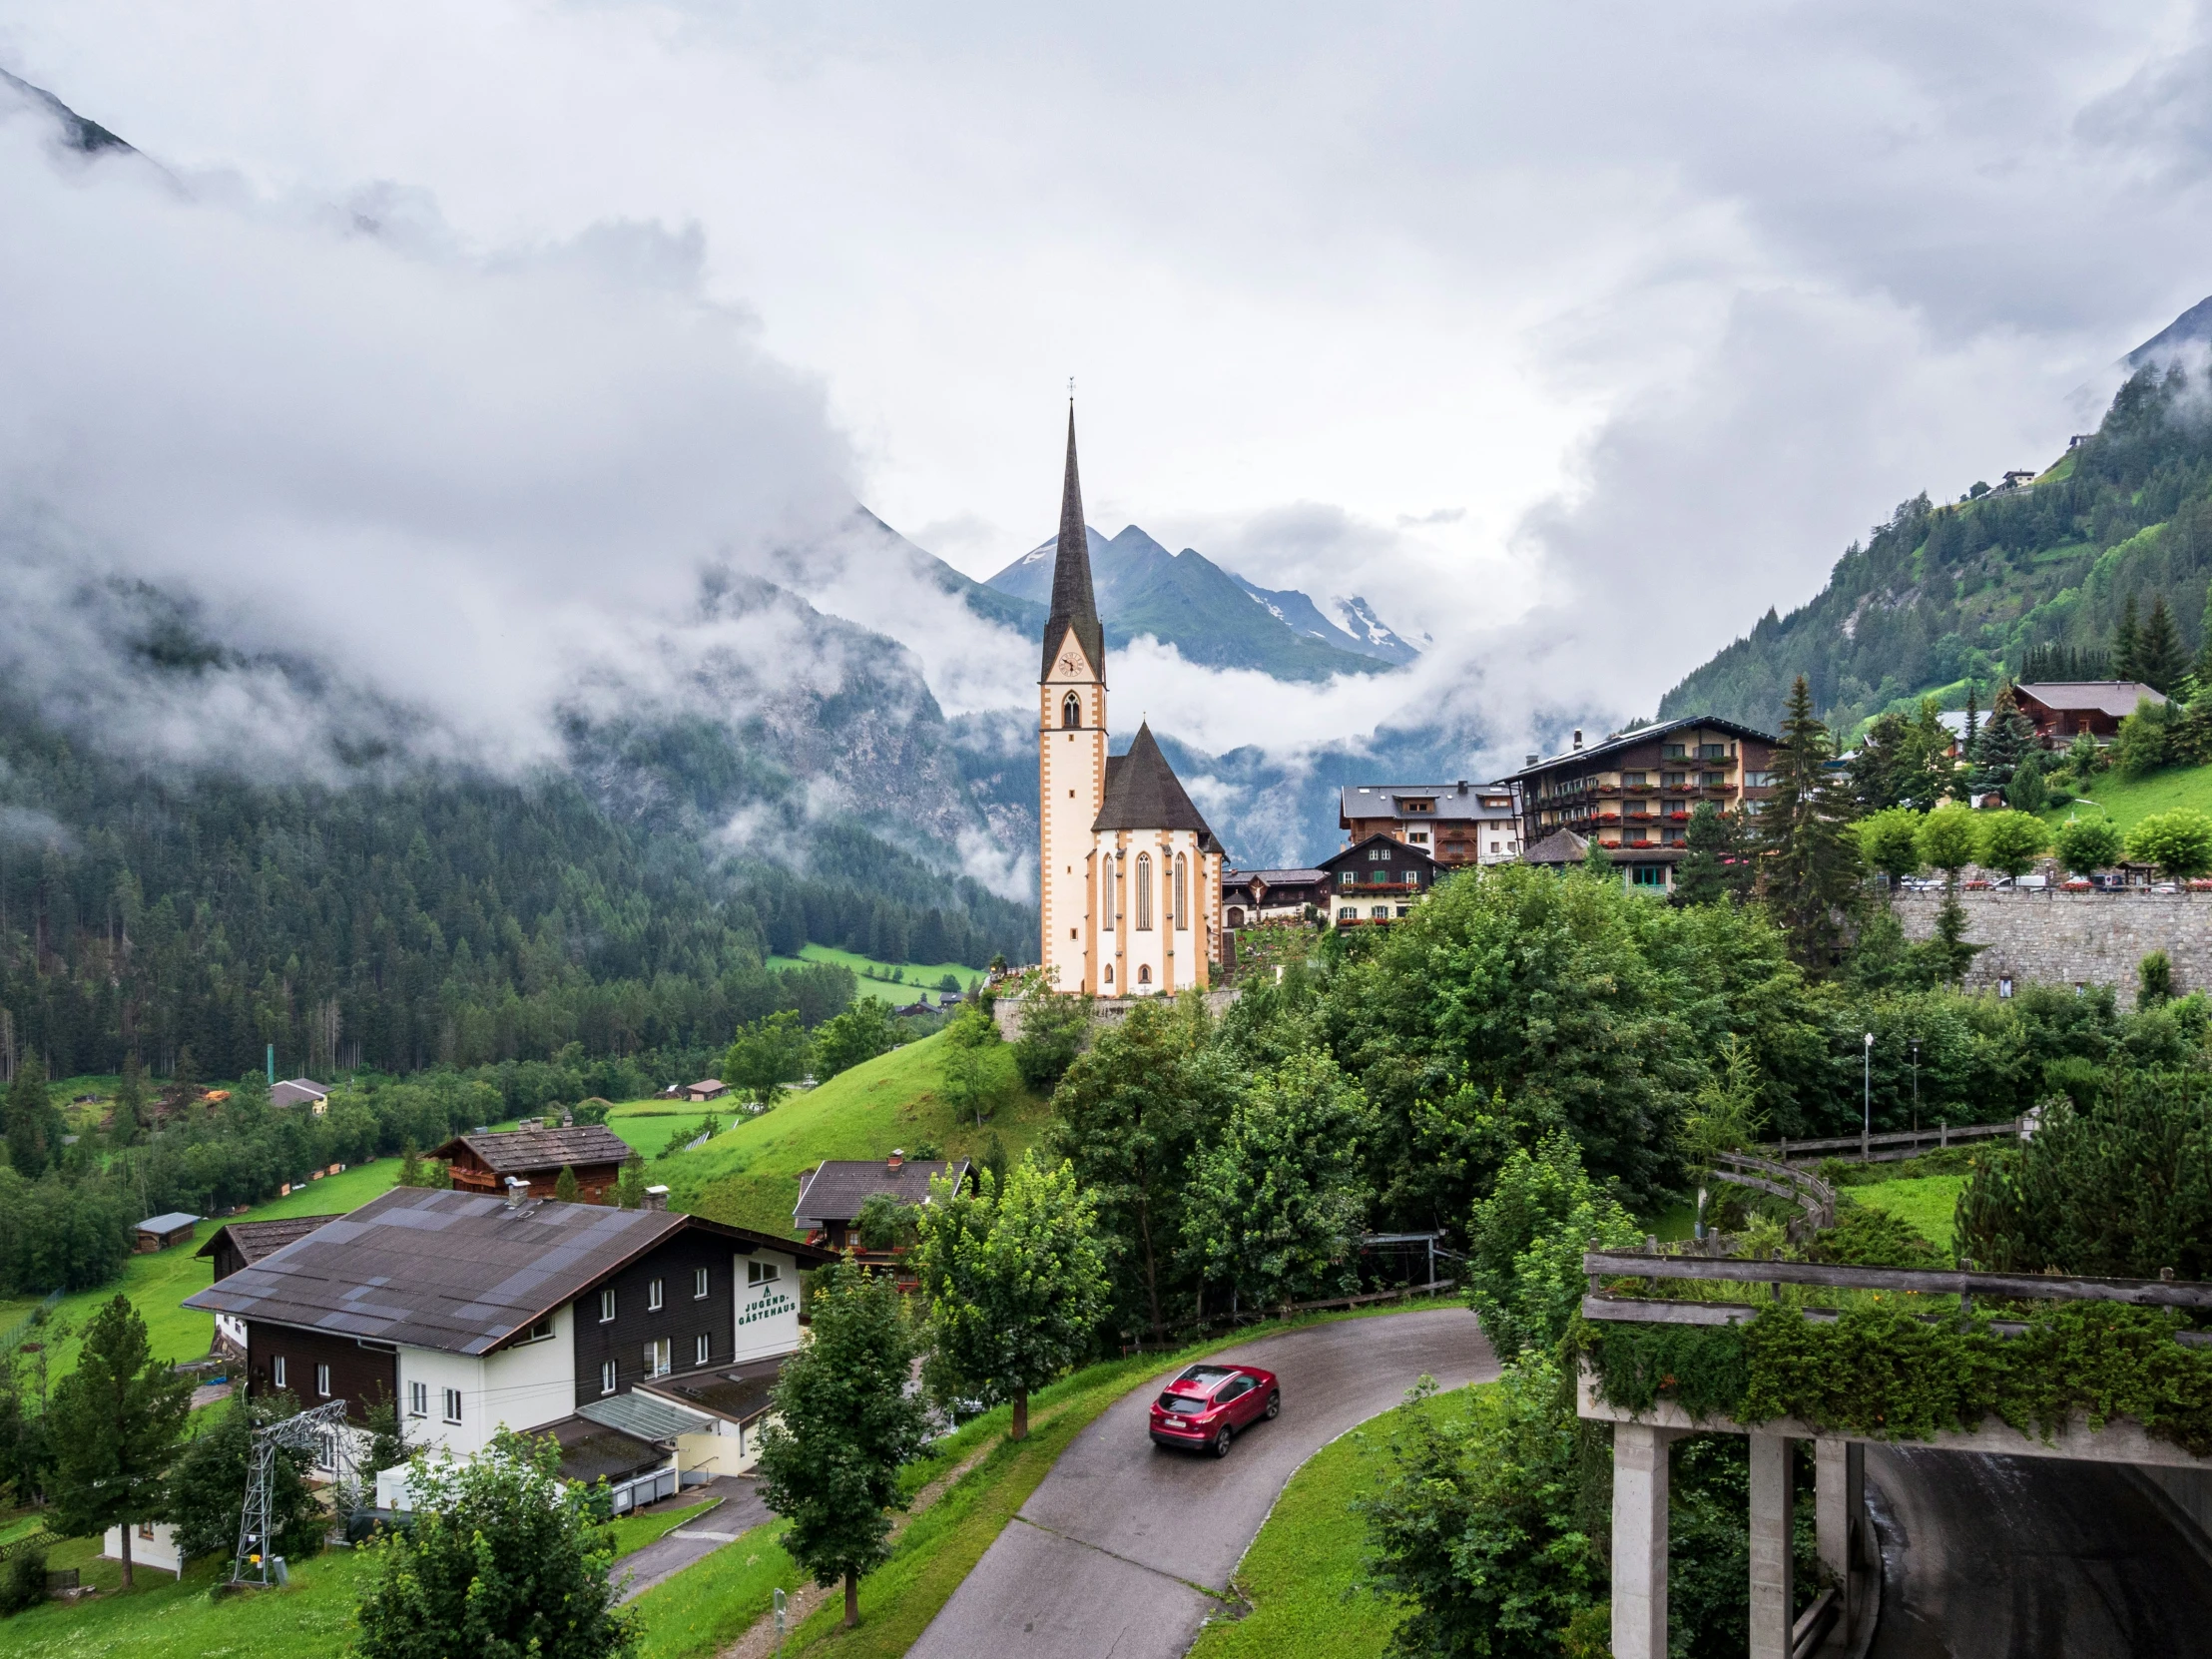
(1068, 664)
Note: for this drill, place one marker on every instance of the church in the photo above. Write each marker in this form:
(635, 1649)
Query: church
(1129, 876)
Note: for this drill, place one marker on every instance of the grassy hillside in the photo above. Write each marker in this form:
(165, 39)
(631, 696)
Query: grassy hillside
(2124, 800)
(873, 978)
(1940, 595)
(1929, 1203)
(749, 1176)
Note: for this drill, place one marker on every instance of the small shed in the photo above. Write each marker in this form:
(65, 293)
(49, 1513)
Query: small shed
(707, 1088)
(160, 1231)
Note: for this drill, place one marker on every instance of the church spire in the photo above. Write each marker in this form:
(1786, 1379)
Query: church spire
(1072, 604)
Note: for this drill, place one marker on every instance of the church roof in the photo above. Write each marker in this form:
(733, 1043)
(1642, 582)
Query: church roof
(1143, 793)
(1072, 603)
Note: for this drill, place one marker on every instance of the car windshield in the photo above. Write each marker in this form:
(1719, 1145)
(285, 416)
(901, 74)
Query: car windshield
(1181, 1402)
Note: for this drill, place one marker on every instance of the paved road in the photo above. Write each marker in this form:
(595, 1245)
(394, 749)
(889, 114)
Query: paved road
(2029, 1558)
(1112, 1555)
(738, 1507)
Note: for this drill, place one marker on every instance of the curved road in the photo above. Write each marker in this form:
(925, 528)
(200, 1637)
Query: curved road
(1113, 1554)
(2029, 1558)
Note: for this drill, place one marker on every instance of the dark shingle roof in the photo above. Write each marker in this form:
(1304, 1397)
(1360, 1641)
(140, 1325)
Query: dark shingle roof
(1401, 853)
(533, 1151)
(733, 1392)
(1072, 603)
(1561, 847)
(2117, 697)
(836, 1190)
(1273, 877)
(257, 1239)
(461, 1271)
(1644, 734)
(593, 1451)
(1143, 793)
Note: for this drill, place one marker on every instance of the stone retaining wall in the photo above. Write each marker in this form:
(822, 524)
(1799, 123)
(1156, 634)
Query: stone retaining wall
(2074, 939)
(1109, 1009)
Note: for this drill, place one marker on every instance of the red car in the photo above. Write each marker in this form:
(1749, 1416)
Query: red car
(1207, 1404)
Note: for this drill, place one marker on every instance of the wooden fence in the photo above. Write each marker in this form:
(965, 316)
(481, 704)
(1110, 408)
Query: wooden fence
(1892, 1145)
(1809, 1192)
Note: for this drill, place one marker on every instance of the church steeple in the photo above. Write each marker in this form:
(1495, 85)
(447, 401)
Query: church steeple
(1072, 604)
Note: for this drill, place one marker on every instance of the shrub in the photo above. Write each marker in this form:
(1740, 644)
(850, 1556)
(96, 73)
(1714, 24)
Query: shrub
(25, 1582)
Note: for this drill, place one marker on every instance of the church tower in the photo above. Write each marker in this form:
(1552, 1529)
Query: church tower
(1071, 746)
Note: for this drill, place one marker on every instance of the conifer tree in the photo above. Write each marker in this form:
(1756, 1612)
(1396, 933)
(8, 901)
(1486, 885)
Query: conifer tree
(1719, 866)
(1808, 859)
(29, 1106)
(130, 1100)
(2007, 738)
(2160, 661)
(564, 1185)
(2124, 643)
(116, 1422)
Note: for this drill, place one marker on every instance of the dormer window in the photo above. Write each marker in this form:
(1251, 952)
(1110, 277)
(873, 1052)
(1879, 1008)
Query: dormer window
(1071, 711)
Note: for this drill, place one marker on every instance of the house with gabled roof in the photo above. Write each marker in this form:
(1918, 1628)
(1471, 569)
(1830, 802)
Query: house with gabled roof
(485, 1162)
(476, 1312)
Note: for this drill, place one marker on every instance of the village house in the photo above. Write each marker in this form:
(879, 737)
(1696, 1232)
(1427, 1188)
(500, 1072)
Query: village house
(239, 1244)
(485, 1163)
(1455, 824)
(2063, 710)
(160, 1231)
(707, 1088)
(476, 1313)
(300, 1091)
(1252, 896)
(831, 1196)
(1633, 793)
(1378, 879)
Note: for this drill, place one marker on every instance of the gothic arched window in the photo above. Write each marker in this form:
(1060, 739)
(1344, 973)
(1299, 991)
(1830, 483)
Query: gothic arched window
(1182, 895)
(1144, 973)
(1109, 974)
(1144, 892)
(1071, 711)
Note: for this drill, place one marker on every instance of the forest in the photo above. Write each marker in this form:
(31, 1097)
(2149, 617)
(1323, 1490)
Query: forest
(412, 918)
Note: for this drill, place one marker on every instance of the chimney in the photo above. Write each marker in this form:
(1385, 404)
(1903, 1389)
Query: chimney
(1578, 737)
(1463, 786)
(656, 1198)
(517, 1190)
(1533, 759)
(897, 1160)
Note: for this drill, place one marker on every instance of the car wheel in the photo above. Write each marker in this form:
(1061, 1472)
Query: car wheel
(1222, 1439)
(1274, 1406)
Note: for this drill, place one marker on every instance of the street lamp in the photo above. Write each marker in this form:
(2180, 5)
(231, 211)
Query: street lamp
(1866, 1128)
(1916, 1094)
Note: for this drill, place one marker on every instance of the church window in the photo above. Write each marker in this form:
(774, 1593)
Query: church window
(1109, 974)
(1144, 893)
(1144, 973)
(1182, 895)
(1071, 711)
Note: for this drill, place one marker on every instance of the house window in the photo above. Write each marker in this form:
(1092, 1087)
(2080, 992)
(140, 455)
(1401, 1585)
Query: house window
(655, 1295)
(705, 1350)
(1182, 893)
(1348, 878)
(1712, 780)
(418, 1399)
(276, 1371)
(606, 1376)
(607, 1307)
(322, 1382)
(1071, 711)
(762, 1272)
(1376, 854)
(1144, 892)
(1632, 779)
(452, 1406)
(1673, 780)
(1648, 875)
(146, 1531)
(542, 1331)
(2005, 985)
(1419, 838)
(699, 1283)
(656, 1357)
(1412, 879)
(1758, 779)
(1380, 912)
(1674, 752)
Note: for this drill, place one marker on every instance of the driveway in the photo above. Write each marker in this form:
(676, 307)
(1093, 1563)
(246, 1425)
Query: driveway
(2029, 1558)
(738, 1508)
(1114, 1553)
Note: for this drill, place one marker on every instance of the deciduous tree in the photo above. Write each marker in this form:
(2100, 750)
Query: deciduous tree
(504, 1558)
(844, 1423)
(2179, 843)
(2012, 842)
(207, 1485)
(767, 1056)
(861, 1032)
(1016, 1279)
(1278, 1199)
(1891, 842)
(2088, 844)
(1525, 1244)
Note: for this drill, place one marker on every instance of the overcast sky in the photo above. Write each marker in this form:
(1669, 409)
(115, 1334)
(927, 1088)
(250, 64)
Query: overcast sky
(1573, 335)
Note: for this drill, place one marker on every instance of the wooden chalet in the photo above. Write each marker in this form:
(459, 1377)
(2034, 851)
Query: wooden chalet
(1455, 824)
(1377, 880)
(485, 1163)
(2063, 710)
